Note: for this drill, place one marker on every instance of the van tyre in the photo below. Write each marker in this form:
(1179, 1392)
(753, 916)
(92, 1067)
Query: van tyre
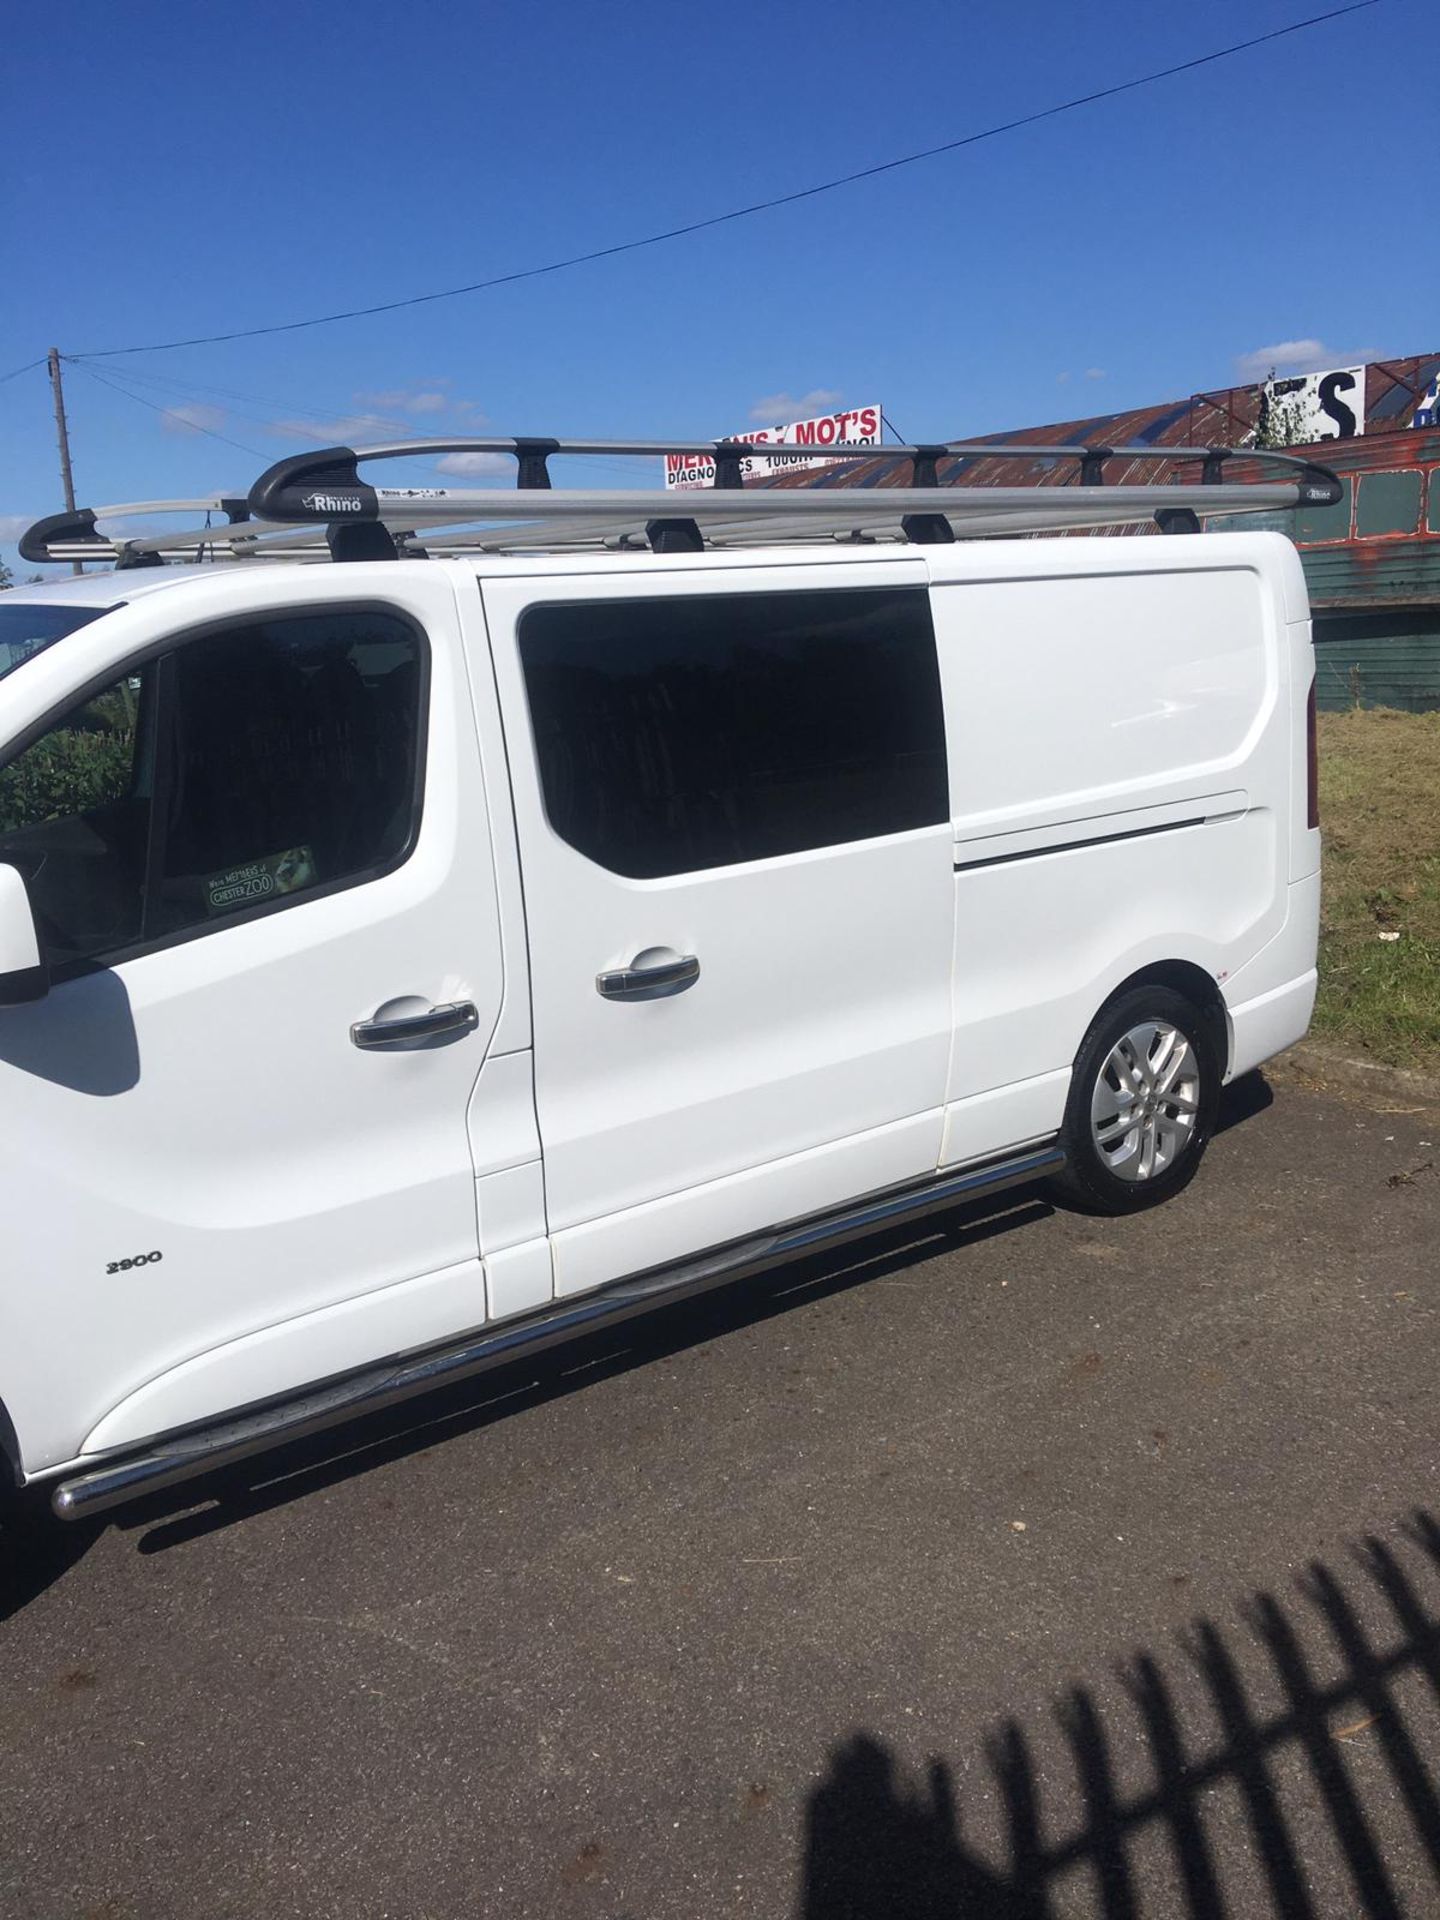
(1142, 1104)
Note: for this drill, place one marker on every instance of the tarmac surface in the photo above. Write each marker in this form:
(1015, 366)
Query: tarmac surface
(1026, 1564)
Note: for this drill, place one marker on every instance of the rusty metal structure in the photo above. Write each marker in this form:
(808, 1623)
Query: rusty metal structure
(1372, 560)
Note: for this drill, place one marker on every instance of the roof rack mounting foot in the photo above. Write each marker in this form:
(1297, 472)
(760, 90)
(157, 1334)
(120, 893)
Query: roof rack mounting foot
(1212, 469)
(924, 471)
(1092, 466)
(532, 453)
(729, 473)
(674, 536)
(127, 559)
(359, 540)
(927, 529)
(1177, 520)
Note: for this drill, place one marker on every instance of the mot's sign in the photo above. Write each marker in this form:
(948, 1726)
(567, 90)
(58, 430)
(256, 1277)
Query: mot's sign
(815, 443)
(1316, 406)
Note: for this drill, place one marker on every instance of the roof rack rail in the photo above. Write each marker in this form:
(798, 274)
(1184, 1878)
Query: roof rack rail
(311, 504)
(75, 536)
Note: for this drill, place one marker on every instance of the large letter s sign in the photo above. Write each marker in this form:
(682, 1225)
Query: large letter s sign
(1344, 419)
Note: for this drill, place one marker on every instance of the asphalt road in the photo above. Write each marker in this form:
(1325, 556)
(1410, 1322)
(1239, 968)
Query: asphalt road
(1033, 1565)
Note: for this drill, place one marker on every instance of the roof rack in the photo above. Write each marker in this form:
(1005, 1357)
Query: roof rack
(75, 536)
(295, 499)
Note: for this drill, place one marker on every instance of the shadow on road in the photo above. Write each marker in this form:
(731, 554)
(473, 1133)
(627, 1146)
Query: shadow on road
(876, 1845)
(1242, 1100)
(36, 1550)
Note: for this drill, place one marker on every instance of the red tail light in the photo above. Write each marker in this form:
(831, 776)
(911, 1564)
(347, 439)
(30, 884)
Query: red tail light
(1312, 764)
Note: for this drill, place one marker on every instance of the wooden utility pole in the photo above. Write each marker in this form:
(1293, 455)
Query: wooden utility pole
(63, 435)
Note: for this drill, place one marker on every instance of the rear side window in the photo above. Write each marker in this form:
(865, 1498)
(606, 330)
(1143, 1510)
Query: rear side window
(685, 734)
(246, 769)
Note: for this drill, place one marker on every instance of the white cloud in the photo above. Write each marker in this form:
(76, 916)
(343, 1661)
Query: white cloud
(342, 432)
(415, 399)
(776, 409)
(1061, 378)
(1296, 356)
(1094, 373)
(475, 463)
(389, 416)
(193, 417)
(12, 525)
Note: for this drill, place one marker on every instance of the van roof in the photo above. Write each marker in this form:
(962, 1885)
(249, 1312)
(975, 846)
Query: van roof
(106, 589)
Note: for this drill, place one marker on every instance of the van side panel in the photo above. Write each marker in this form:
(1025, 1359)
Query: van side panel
(1121, 783)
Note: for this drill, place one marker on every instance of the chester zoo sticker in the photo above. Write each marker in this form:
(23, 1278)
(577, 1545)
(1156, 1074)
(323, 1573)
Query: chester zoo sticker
(276, 874)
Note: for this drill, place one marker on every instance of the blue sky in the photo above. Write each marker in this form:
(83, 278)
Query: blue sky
(174, 170)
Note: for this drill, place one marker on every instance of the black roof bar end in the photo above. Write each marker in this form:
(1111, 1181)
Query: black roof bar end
(314, 486)
(1319, 487)
(80, 525)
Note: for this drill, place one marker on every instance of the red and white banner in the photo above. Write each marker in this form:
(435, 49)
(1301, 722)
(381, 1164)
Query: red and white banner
(850, 427)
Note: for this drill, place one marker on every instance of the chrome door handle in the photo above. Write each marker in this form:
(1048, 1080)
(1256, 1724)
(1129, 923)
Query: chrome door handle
(649, 983)
(459, 1016)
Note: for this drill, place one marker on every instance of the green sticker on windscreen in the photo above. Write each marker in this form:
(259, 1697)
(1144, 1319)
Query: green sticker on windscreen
(256, 880)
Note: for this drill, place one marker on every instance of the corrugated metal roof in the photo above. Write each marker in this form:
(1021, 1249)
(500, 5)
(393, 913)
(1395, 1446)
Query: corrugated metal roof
(1393, 389)
(1380, 547)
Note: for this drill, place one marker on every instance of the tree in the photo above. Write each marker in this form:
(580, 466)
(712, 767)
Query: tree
(1281, 423)
(7, 579)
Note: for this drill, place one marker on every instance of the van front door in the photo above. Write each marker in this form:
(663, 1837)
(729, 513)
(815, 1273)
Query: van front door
(730, 792)
(253, 843)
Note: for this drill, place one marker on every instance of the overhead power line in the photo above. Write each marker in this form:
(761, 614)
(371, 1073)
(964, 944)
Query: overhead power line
(172, 413)
(745, 212)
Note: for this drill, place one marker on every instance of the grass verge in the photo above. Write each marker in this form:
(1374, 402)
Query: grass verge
(1380, 814)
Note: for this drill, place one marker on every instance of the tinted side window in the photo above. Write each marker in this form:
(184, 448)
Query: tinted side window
(290, 749)
(676, 735)
(245, 768)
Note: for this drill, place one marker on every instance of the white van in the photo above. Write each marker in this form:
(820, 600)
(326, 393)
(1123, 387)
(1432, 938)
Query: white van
(407, 963)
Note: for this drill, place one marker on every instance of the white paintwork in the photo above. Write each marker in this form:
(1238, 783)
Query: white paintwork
(1020, 1113)
(821, 1012)
(206, 1101)
(666, 1230)
(291, 1353)
(19, 945)
(864, 1013)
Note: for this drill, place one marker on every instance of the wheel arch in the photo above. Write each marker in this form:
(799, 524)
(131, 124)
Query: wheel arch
(1195, 985)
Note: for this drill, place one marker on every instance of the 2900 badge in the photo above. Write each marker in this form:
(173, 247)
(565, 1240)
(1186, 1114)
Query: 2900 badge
(135, 1260)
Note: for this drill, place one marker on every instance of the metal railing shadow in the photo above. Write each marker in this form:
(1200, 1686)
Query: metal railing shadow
(877, 1845)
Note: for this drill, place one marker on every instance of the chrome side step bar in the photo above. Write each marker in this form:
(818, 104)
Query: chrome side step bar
(199, 1450)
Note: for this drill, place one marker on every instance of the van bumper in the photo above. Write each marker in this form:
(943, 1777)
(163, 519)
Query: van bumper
(1269, 1001)
(1265, 1026)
